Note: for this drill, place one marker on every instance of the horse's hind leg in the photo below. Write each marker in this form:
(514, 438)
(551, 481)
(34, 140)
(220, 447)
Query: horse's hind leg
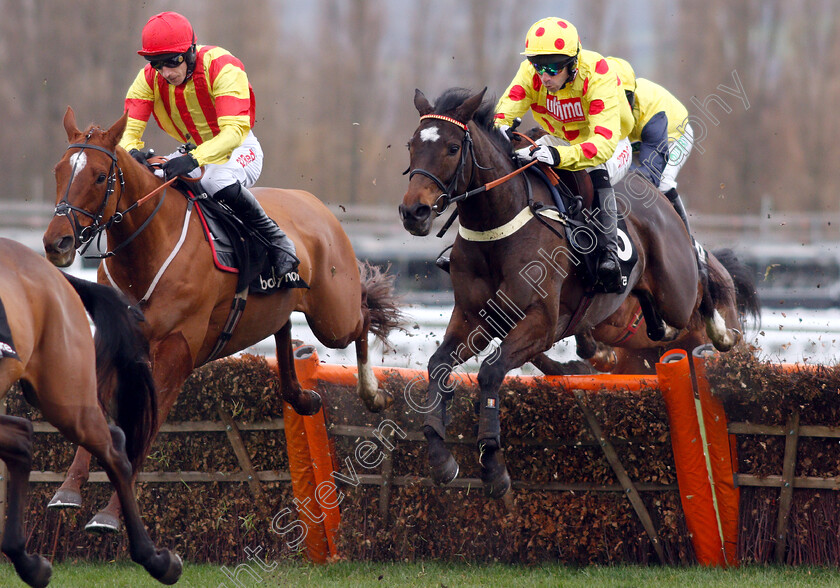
(16, 451)
(305, 402)
(657, 328)
(69, 495)
(375, 399)
(602, 357)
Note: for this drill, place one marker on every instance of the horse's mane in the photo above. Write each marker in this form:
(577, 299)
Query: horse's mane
(483, 117)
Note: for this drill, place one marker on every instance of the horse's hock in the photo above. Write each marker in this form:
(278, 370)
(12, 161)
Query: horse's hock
(601, 473)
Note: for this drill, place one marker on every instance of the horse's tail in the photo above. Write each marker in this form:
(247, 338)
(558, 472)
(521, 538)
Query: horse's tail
(379, 300)
(122, 360)
(746, 297)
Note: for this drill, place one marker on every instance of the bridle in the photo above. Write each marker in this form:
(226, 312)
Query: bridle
(467, 152)
(84, 235)
(467, 147)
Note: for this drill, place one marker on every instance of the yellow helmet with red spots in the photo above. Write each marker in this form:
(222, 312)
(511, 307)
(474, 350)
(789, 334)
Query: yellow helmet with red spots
(552, 36)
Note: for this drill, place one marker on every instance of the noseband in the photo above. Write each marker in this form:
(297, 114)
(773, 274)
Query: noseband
(467, 150)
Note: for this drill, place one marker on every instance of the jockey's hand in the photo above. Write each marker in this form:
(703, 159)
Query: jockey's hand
(138, 155)
(179, 166)
(545, 153)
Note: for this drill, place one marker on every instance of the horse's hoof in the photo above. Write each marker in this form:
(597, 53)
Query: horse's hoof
(35, 570)
(444, 473)
(65, 499)
(498, 485)
(309, 403)
(381, 401)
(103, 523)
(173, 569)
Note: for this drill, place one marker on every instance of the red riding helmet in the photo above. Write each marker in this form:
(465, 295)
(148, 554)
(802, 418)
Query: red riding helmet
(167, 32)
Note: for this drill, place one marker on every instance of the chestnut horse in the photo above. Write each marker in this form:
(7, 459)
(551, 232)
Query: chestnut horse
(515, 278)
(160, 256)
(69, 377)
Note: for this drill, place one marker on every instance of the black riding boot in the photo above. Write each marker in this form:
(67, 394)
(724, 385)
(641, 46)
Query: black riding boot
(281, 249)
(609, 269)
(677, 203)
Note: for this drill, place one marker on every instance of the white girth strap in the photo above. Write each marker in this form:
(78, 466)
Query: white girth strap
(509, 228)
(166, 263)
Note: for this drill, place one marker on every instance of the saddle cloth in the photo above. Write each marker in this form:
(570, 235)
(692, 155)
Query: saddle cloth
(236, 250)
(581, 241)
(7, 346)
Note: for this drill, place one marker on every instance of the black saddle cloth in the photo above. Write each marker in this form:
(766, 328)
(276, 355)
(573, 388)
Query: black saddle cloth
(7, 345)
(581, 241)
(236, 250)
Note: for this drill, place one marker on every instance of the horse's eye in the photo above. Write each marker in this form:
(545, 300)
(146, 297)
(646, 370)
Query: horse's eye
(101, 178)
(453, 149)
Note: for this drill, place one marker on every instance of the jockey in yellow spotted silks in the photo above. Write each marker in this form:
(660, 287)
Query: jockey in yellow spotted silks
(574, 95)
(661, 131)
(200, 94)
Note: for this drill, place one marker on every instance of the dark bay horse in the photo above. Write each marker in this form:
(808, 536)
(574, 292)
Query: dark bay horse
(69, 377)
(515, 278)
(162, 258)
(621, 344)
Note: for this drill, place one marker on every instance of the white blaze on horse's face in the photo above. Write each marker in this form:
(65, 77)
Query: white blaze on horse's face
(430, 134)
(77, 163)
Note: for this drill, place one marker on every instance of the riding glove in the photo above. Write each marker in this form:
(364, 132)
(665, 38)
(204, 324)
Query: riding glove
(505, 131)
(138, 155)
(179, 166)
(545, 153)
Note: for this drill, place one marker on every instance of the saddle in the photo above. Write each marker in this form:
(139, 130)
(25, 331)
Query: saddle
(574, 202)
(236, 249)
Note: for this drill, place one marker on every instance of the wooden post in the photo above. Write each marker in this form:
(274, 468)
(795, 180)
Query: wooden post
(387, 480)
(786, 495)
(235, 438)
(629, 489)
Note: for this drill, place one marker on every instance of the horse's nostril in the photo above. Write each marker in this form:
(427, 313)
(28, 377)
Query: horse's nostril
(422, 212)
(65, 244)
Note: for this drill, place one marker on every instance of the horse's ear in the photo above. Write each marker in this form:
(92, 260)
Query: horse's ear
(465, 112)
(421, 103)
(70, 125)
(118, 128)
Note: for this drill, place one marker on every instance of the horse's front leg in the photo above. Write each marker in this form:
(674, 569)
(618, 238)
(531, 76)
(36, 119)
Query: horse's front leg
(532, 335)
(172, 363)
(440, 391)
(69, 495)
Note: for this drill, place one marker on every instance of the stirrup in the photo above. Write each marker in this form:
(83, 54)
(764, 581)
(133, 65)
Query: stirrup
(443, 263)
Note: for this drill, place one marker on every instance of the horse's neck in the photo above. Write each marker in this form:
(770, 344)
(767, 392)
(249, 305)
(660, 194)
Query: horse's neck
(150, 244)
(498, 205)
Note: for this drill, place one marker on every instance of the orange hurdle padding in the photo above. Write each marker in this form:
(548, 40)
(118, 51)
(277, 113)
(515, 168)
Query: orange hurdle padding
(689, 458)
(722, 456)
(304, 484)
(320, 449)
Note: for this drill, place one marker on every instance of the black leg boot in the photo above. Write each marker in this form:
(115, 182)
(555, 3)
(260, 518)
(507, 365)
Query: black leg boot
(281, 249)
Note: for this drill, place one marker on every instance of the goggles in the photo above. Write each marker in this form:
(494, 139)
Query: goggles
(551, 69)
(160, 61)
